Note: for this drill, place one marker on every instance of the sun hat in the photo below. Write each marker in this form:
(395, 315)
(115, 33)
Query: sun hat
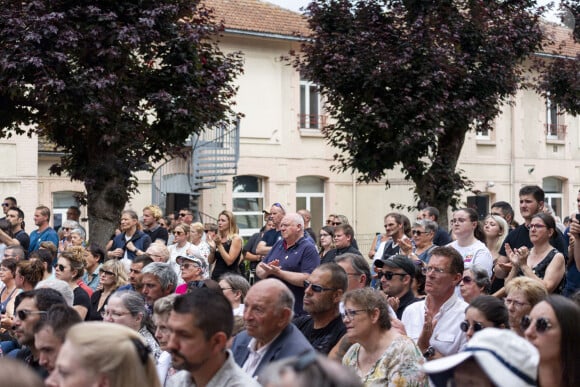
(506, 358)
(195, 258)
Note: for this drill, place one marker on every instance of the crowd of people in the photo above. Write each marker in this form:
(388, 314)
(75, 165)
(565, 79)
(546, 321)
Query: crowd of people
(174, 302)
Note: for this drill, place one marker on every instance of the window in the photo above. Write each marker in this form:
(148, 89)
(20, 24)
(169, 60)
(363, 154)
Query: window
(555, 128)
(310, 195)
(483, 135)
(61, 201)
(310, 115)
(248, 198)
(552, 187)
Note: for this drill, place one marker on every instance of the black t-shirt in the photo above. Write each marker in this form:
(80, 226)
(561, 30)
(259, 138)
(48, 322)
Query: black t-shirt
(442, 237)
(520, 236)
(82, 298)
(158, 233)
(391, 249)
(24, 240)
(323, 339)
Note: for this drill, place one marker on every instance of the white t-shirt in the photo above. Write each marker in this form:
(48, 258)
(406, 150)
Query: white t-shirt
(475, 254)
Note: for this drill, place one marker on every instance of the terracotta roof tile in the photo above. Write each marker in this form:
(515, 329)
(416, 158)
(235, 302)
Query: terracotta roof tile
(258, 16)
(563, 42)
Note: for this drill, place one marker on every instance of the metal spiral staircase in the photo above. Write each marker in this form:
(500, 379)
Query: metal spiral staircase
(214, 155)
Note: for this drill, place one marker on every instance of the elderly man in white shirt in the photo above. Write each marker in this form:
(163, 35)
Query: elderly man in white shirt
(434, 322)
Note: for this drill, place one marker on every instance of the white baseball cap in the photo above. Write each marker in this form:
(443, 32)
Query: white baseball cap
(506, 358)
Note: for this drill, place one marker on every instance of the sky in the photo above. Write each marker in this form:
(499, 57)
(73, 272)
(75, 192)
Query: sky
(295, 5)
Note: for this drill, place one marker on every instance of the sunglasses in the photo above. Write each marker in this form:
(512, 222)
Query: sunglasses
(61, 267)
(542, 324)
(23, 314)
(419, 233)
(316, 288)
(336, 223)
(467, 279)
(188, 265)
(464, 326)
(106, 272)
(388, 275)
(5, 205)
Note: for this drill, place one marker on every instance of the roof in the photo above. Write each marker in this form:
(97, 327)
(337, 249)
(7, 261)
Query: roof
(562, 41)
(258, 16)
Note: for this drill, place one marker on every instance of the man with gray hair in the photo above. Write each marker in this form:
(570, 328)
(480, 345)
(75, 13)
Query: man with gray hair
(269, 334)
(159, 280)
(291, 259)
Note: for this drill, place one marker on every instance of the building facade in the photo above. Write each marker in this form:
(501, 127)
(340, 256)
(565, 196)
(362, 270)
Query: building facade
(283, 157)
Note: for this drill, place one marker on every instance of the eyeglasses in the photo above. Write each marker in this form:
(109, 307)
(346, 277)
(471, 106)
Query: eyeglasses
(517, 304)
(101, 271)
(351, 313)
(538, 226)
(467, 279)
(417, 232)
(23, 313)
(61, 267)
(428, 269)
(464, 326)
(388, 275)
(316, 288)
(542, 324)
(178, 232)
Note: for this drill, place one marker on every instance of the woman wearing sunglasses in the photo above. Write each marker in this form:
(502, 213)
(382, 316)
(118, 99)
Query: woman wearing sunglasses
(180, 245)
(380, 355)
(70, 269)
(484, 312)
(475, 282)
(552, 327)
(542, 262)
(112, 275)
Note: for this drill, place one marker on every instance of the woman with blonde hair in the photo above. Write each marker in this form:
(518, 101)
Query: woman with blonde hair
(112, 275)
(228, 246)
(196, 232)
(495, 229)
(70, 268)
(98, 353)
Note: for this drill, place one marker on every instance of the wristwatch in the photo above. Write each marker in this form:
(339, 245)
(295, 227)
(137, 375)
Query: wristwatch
(429, 353)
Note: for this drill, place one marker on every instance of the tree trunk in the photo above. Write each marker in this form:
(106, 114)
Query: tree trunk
(105, 204)
(439, 185)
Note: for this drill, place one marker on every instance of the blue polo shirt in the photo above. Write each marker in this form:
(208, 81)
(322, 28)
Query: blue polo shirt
(301, 257)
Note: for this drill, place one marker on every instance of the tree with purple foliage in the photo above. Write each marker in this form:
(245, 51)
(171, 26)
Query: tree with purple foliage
(560, 76)
(406, 79)
(116, 85)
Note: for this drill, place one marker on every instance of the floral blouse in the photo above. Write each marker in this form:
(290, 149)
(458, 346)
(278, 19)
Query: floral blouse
(400, 365)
